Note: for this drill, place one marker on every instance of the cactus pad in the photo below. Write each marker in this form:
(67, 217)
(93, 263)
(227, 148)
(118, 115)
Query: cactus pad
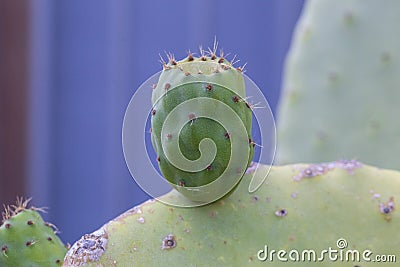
(26, 240)
(342, 205)
(340, 95)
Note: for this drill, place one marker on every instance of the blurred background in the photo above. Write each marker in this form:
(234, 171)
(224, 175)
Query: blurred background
(68, 69)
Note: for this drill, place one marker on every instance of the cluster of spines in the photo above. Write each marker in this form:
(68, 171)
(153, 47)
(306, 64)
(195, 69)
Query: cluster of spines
(21, 205)
(205, 55)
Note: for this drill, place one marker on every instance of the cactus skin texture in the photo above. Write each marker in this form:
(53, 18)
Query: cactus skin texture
(298, 207)
(340, 95)
(219, 85)
(26, 240)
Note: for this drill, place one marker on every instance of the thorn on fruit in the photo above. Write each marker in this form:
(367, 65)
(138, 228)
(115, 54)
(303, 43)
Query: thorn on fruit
(190, 56)
(192, 117)
(242, 68)
(51, 225)
(162, 61)
(234, 60)
(221, 56)
(171, 59)
(202, 53)
(213, 52)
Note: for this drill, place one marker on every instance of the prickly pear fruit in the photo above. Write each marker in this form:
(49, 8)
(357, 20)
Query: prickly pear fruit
(26, 240)
(343, 206)
(340, 95)
(201, 125)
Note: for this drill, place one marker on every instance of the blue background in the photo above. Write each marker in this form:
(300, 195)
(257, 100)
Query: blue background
(88, 58)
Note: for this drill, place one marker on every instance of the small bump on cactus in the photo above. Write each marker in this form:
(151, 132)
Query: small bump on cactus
(209, 94)
(26, 240)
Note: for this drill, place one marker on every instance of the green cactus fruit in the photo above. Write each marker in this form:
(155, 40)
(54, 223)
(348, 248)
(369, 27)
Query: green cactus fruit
(340, 94)
(344, 206)
(26, 240)
(201, 126)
